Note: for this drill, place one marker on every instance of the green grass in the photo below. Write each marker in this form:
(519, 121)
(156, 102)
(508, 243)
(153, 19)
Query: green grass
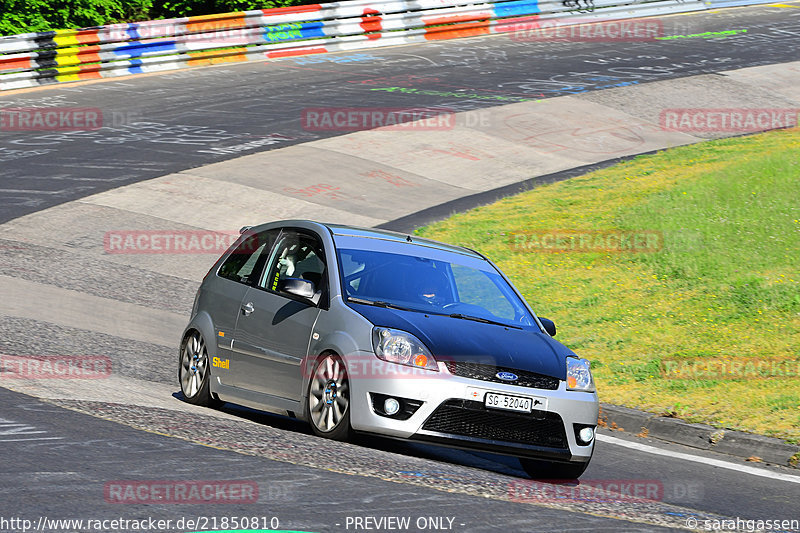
(724, 288)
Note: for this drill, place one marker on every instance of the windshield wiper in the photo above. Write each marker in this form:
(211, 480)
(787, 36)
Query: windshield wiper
(381, 303)
(377, 303)
(481, 319)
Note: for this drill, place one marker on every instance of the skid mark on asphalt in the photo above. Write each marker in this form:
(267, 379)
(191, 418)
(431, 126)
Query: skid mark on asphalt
(12, 431)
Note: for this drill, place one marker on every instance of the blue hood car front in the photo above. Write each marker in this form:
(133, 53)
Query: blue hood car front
(469, 341)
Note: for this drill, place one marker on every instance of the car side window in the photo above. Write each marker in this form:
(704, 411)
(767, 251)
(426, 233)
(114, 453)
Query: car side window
(247, 260)
(296, 255)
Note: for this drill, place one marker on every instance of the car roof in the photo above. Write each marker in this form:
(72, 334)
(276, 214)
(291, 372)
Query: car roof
(342, 230)
(386, 235)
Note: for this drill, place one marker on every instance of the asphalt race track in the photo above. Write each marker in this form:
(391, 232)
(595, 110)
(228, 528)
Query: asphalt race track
(166, 123)
(65, 442)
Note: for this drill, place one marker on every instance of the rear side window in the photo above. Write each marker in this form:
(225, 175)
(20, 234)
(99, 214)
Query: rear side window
(247, 260)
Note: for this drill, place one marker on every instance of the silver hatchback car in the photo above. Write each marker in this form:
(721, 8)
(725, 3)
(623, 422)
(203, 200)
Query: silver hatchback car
(365, 330)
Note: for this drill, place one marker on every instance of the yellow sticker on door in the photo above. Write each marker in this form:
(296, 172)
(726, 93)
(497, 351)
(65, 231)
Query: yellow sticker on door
(220, 363)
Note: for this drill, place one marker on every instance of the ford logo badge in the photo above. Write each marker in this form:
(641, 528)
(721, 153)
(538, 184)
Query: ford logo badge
(507, 376)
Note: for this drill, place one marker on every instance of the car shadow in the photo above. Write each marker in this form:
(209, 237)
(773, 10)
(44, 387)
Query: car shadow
(483, 460)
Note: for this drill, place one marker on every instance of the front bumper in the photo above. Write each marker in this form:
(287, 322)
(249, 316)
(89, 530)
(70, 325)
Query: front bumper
(452, 413)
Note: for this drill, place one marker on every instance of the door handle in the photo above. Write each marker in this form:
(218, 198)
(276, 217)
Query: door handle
(248, 308)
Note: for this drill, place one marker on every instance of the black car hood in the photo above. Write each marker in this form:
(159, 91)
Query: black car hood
(469, 341)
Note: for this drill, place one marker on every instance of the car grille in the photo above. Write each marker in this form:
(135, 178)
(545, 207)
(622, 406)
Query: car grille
(468, 418)
(488, 373)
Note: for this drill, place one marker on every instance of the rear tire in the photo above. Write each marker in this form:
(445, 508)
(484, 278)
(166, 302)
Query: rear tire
(194, 373)
(550, 470)
(328, 405)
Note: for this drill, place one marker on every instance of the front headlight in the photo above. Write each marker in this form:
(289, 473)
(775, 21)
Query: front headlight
(403, 348)
(579, 375)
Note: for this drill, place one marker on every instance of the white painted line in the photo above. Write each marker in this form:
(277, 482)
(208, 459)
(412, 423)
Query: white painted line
(697, 459)
(34, 438)
(31, 191)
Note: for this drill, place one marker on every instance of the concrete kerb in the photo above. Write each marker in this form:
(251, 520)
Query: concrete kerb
(737, 443)
(409, 223)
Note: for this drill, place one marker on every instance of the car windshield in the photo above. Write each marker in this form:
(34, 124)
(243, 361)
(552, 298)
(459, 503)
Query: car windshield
(430, 286)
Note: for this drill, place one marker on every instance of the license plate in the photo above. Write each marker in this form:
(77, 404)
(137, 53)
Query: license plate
(509, 403)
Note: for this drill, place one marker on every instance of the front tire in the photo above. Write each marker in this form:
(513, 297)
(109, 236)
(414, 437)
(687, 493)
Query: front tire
(328, 405)
(193, 371)
(554, 471)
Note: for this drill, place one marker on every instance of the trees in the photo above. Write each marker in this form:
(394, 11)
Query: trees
(23, 16)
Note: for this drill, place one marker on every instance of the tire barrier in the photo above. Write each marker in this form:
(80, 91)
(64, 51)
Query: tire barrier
(33, 59)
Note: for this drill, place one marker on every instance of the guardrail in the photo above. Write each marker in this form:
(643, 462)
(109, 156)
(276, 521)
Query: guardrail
(34, 59)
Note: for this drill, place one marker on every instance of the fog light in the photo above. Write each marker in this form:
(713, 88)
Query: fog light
(586, 435)
(391, 406)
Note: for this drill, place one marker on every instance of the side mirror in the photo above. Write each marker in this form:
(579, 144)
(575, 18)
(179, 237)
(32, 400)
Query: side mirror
(298, 287)
(549, 326)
